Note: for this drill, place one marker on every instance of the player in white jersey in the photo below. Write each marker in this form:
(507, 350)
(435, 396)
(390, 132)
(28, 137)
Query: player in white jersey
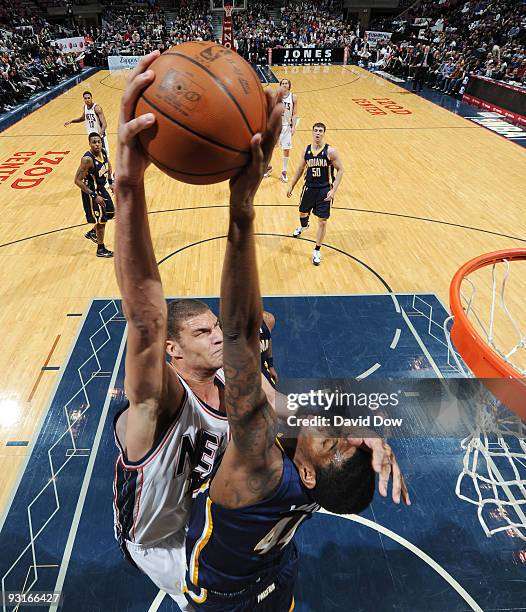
(172, 428)
(288, 126)
(152, 496)
(174, 425)
(93, 119)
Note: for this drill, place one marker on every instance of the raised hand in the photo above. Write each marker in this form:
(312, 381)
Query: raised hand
(131, 160)
(386, 465)
(243, 187)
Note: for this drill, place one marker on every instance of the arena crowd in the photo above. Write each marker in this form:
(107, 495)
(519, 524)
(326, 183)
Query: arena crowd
(437, 42)
(445, 42)
(28, 62)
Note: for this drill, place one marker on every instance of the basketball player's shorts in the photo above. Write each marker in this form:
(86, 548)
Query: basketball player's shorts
(106, 145)
(274, 594)
(164, 564)
(285, 138)
(313, 200)
(96, 213)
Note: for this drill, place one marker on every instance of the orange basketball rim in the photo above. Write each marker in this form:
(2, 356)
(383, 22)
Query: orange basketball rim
(504, 381)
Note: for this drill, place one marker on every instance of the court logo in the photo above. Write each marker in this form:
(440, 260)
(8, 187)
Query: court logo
(33, 175)
(381, 106)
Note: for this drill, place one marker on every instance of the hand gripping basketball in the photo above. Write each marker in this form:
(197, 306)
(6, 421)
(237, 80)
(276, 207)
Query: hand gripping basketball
(243, 187)
(131, 161)
(208, 103)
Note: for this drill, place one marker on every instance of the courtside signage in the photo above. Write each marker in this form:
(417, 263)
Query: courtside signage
(120, 62)
(304, 55)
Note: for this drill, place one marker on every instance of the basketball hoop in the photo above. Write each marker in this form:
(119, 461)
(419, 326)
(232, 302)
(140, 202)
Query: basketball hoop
(228, 11)
(481, 353)
(493, 476)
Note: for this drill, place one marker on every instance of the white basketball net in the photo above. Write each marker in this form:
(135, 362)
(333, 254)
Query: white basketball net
(493, 475)
(228, 11)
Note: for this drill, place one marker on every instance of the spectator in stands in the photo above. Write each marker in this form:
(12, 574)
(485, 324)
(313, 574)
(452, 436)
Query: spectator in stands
(28, 63)
(423, 61)
(487, 38)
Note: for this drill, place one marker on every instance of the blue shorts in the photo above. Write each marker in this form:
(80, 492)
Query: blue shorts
(274, 594)
(313, 200)
(94, 212)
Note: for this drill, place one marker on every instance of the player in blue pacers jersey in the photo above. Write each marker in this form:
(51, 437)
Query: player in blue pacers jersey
(320, 160)
(92, 176)
(240, 548)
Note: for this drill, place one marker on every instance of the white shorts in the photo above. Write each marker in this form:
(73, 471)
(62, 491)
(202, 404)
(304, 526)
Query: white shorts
(106, 145)
(165, 566)
(285, 138)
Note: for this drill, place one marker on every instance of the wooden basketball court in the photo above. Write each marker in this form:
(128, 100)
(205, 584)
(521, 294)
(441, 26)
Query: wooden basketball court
(424, 191)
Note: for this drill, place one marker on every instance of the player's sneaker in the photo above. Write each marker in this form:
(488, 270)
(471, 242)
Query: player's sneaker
(268, 172)
(298, 230)
(316, 257)
(91, 235)
(104, 252)
(284, 178)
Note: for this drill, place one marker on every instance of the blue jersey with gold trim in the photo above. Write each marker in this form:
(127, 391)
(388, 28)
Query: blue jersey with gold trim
(98, 175)
(229, 551)
(320, 171)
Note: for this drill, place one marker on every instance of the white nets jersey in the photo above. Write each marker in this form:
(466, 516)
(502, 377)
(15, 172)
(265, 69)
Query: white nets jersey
(152, 497)
(288, 107)
(91, 120)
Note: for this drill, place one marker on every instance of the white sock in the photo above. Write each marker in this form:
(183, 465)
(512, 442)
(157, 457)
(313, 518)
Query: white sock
(285, 163)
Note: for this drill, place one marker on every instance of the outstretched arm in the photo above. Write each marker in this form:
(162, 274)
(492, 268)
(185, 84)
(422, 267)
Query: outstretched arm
(152, 387)
(77, 120)
(251, 468)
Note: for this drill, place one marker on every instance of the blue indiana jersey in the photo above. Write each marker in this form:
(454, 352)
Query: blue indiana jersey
(98, 175)
(320, 171)
(231, 551)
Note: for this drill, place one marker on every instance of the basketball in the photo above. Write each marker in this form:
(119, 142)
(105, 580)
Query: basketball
(208, 103)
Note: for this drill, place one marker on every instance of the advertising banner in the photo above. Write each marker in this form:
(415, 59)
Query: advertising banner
(227, 28)
(306, 55)
(67, 45)
(121, 62)
(373, 37)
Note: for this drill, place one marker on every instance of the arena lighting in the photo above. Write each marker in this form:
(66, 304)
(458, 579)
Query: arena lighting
(10, 412)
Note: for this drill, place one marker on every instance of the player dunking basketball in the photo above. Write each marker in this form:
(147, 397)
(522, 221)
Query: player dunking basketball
(320, 160)
(288, 126)
(175, 423)
(94, 120)
(91, 178)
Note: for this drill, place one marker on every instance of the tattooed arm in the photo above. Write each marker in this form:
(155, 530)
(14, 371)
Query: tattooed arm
(252, 465)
